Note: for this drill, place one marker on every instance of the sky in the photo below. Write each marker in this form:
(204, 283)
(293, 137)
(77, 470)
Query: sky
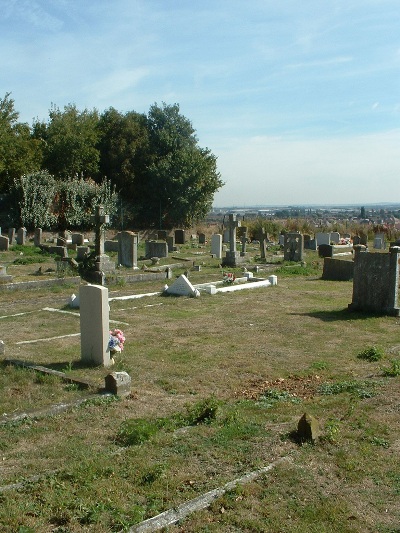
(298, 100)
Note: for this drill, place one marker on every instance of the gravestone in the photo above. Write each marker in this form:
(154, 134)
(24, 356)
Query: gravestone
(103, 264)
(182, 287)
(356, 240)
(127, 249)
(379, 241)
(110, 246)
(376, 280)
(323, 238)
(364, 240)
(21, 236)
(4, 243)
(216, 245)
(293, 247)
(171, 243)
(11, 235)
(118, 383)
(4, 277)
(37, 237)
(202, 238)
(335, 237)
(82, 252)
(180, 236)
(281, 241)
(232, 257)
(78, 239)
(306, 241)
(325, 250)
(94, 322)
(243, 239)
(156, 249)
(337, 269)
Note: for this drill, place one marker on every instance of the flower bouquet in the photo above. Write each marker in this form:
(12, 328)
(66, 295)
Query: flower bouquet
(116, 342)
(228, 278)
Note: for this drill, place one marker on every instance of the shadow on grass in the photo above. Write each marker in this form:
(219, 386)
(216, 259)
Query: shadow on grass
(340, 315)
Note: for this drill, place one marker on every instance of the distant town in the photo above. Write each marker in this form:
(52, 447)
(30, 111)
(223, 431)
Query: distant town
(372, 214)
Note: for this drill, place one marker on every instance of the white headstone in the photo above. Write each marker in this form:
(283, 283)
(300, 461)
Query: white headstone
(182, 287)
(95, 328)
(273, 280)
(216, 245)
(2, 348)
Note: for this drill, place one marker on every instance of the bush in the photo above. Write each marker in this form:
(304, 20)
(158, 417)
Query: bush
(371, 354)
(393, 370)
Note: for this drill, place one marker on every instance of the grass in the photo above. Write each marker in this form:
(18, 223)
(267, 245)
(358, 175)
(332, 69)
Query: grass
(218, 386)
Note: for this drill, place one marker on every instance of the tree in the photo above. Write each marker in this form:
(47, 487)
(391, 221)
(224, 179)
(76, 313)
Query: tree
(19, 152)
(181, 177)
(70, 142)
(124, 149)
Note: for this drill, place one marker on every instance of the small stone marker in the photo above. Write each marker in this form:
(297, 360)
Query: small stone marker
(2, 348)
(182, 287)
(94, 321)
(118, 383)
(308, 428)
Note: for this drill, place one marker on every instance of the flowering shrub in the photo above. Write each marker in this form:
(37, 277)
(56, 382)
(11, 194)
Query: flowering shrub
(228, 277)
(116, 342)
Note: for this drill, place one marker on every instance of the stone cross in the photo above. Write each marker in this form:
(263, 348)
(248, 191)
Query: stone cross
(99, 219)
(232, 225)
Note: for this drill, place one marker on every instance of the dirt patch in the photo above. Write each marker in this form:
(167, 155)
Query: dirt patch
(300, 387)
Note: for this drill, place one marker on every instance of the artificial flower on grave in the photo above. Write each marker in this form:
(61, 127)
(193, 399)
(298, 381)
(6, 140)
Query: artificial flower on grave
(116, 341)
(228, 277)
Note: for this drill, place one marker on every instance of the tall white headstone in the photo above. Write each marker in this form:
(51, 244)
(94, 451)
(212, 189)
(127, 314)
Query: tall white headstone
(95, 328)
(216, 245)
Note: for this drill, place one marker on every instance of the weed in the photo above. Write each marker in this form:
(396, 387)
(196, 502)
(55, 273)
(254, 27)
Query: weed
(393, 370)
(202, 412)
(378, 441)
(359, 388)
(270, 397)
(319, 365)
(332, 429)
(371, 354)
(152, 474)
(137, 431)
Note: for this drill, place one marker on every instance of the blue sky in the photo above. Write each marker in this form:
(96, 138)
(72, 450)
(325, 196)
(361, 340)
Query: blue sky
(299, 100)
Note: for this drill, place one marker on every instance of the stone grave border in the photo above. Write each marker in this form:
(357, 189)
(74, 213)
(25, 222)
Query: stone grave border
(26, 285)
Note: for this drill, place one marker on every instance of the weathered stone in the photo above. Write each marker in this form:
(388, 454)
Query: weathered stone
(308, 428)
(118, 383)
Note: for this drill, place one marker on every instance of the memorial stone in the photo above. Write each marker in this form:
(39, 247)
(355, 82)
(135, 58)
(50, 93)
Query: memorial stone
(94, 324)
(37, 237)
(11, 235)
(180, 236)
(335, 237)
(4, 243)
(202, 238)
(78, 239)
(21, 236)
(171, 243)
(216, 245)
(127, 249)
(232, 257)
(293, 247)
(156, 249)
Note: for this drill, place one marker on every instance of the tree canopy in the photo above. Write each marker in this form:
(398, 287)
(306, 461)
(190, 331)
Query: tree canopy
(164, 178)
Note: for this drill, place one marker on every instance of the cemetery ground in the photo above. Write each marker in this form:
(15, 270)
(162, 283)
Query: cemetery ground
(218, 386)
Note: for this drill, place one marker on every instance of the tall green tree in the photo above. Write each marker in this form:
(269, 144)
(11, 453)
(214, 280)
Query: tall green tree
(181, 177)
(124, 149)
(19, 152)
(70, 139)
